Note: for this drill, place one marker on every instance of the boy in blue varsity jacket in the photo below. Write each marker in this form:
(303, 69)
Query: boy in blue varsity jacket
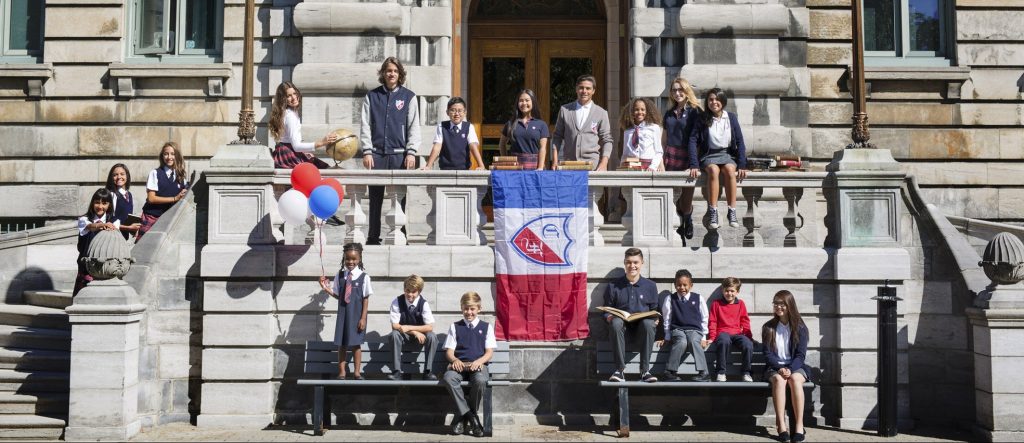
(468, 348)
(412, 320)
(686, 327)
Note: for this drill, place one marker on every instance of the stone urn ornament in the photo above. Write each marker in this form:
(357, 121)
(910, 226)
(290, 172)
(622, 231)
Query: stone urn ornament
(109, 256)
(1003, 261)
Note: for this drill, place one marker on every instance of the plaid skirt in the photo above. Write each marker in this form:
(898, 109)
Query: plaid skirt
(286, 158)
(147, 223)
(676, 158)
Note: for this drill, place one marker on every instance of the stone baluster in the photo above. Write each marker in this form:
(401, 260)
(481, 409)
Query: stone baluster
(481, 216)
(356, 219)
(596, 219)
(432, 220)
(793, 220)
(753, 238)
(627, 216)
(395, 217)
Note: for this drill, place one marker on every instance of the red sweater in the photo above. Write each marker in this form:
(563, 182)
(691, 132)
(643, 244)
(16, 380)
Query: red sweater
(728, 318)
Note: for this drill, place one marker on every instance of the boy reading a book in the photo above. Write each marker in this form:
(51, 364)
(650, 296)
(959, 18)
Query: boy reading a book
(633, 294)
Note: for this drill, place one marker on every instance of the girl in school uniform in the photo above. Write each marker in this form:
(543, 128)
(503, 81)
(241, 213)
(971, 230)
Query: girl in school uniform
(165, 186)
(785, 339)
(717, 142)
(119, 179)
(642, 136)
(678, 124)
(97, 218)
(351, 287)
(455, 141)
(286, 128)
(526, 136)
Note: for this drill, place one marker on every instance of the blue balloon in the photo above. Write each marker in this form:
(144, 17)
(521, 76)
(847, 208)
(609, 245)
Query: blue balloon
(323, 201)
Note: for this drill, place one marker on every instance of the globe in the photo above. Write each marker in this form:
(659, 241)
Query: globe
(345, 147)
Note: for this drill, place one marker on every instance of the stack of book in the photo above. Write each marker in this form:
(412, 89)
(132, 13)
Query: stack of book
(575, 165)
(634, 164)
(505, 163)
(776, 163)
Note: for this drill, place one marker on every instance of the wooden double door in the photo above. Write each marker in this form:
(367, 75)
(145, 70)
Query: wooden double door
(500, 68)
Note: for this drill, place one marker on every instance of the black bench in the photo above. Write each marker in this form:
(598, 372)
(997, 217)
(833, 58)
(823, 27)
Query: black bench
(659, 359)
(321, 362)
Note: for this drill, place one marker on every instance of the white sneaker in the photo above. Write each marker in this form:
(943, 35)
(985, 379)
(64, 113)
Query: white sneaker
(733, 221)
(713, 218)
(720, 377)
(747, 377)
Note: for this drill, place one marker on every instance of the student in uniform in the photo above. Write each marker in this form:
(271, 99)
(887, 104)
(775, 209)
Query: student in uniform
(717, 143)
(785, 338)
(118, 182)
(97, 218)
(455, 141)
(685, 315)
(165, 186)
(641, 137)
(412, 321)
(285, 126)
(351, 287)
(468, 348)
(583, 131)
(679, 123)
(526, 136)
(632, 293)
(728, 325)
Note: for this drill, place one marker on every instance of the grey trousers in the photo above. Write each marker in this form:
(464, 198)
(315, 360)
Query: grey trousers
(399, 339)
(684, 340)
(477, 384)
(644, 328)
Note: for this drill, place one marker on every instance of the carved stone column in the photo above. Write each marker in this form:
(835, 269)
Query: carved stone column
(395, 217)
(356, 219)
(753, 238)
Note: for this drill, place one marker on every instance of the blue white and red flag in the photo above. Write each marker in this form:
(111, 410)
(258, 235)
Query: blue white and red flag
(541, 234)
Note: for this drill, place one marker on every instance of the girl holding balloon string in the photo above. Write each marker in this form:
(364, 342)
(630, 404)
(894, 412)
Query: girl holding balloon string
(286, 128)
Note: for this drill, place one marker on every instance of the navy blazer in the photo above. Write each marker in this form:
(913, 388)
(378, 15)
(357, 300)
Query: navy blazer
(797, 355)
(698, 146)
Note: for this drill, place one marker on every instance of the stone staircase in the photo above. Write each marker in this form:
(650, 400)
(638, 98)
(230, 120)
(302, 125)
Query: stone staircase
(35, 344)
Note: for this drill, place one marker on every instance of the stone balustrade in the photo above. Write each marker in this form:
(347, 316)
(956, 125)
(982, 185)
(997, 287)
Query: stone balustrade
(456, 212)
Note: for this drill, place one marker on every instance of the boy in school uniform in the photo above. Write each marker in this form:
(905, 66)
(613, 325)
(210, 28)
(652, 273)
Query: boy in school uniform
(468, 348)
(412, 320)
(686, 326)
(632, 293)
(728, 325)
(455, 143)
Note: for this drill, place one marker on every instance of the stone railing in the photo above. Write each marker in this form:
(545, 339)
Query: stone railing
(648, 218)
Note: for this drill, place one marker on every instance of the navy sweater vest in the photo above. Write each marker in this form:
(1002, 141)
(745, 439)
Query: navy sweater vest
(414, 316)
(166, 187)
(389, 112)
(455, 150)
(470, 343)
(686, 312)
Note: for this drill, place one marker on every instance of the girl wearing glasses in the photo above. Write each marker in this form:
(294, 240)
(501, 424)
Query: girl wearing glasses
(455, 141)
(678, 126)
(785, 339)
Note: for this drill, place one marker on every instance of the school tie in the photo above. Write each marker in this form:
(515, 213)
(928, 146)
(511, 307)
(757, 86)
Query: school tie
(348, 287)
(635, 142)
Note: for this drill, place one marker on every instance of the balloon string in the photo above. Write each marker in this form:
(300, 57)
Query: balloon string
(320, 241)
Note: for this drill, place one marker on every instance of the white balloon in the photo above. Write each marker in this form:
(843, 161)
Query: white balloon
(293, 206)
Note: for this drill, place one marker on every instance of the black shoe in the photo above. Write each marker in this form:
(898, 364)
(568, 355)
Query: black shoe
(458, 425)
(798, 437)
(335, 221)
(701, 378)
(688, 227)
(784, 436)
(373, 242)
(430, 376)
(669, 376)
(396, 376)
(477, 427)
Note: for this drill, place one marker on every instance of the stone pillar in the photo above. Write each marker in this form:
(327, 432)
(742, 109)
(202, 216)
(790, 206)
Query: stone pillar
(864, 199)
(455, 216)
(237, 267)
(104, 399)
(998, 363)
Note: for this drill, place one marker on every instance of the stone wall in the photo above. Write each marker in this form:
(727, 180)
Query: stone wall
(957, 129)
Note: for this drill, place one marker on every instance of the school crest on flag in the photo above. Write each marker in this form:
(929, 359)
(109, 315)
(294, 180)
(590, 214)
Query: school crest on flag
(541, 222)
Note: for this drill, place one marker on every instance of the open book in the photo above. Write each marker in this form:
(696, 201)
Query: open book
(626, 315)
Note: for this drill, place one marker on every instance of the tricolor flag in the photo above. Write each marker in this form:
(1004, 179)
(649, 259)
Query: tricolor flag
(541, 234)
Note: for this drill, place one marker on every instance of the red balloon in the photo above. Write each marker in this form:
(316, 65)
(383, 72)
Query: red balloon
(336, 185)
(305, 177)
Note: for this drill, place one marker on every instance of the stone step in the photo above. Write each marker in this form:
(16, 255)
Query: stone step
(35, 359)
(24, 382)
(26, 337)
(46, 404)
(49, 299)
(30, 315)
(31, 427)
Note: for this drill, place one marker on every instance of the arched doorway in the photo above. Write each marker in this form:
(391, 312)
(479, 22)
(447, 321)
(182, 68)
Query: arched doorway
(541, 45)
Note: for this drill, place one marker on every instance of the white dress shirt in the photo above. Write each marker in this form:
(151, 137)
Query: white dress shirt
(471, 137)
(489, 343)
(583, 113)
(292, 133)
(648, 146)
(720, 132)
(782, 336)
(340, 277)
(152, 184)
(666, 314)
(84, 221)
(396, 313)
